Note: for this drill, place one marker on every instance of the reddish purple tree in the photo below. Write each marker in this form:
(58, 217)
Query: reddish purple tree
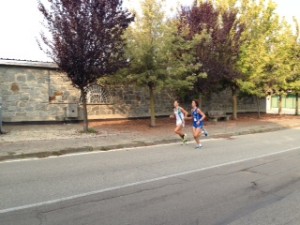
(85, 39)
(219, 56)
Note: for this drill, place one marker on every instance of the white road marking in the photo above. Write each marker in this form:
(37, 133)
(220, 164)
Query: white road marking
(39, 204)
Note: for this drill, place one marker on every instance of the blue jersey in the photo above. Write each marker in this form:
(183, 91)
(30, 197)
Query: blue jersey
(196, 117)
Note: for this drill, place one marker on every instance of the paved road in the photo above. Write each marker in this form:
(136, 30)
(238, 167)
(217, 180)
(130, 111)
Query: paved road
(251, 179)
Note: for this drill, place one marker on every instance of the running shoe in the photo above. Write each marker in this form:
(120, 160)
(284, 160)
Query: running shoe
(204, 132)
(198, 146)
(184, 139)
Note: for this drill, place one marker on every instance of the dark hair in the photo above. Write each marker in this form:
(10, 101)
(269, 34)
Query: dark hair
(196, 103)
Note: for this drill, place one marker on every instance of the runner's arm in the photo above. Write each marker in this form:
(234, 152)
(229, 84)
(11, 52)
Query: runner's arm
(184, 112)
(202, 114)
(187, 115)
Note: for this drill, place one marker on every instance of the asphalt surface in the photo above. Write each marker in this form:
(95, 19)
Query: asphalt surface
(250, 179)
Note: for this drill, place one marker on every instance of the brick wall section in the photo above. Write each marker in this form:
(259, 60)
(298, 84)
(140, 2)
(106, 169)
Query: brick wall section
(24, 94)
(223, 101)
(42, 94)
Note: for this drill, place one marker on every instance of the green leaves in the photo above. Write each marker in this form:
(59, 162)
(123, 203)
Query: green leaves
(215, 44)
(146, 45)
(267, 55)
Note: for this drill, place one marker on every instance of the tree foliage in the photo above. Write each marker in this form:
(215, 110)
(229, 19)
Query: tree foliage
(146, 50)
(218, 53)
(294, 51)
(159, 55)
(85, 39)
(258, 51)
(269, 53)
(184, 67)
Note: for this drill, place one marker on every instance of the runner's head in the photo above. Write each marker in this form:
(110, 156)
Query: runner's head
(176, 103)
(195, 104)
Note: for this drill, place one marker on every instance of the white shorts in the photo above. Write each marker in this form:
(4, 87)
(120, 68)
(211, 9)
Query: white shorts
(179, 123)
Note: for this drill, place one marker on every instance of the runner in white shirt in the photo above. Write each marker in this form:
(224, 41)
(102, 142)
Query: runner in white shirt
(180, 114)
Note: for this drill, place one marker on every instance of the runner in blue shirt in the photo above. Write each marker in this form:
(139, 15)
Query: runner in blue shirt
(198, 122)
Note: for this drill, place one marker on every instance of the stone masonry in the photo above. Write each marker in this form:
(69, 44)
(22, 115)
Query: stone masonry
(43, 94)
(38, 92)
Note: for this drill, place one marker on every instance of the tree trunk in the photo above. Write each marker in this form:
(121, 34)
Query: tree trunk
(234, 104)
(280, 105)
(85, 116)
(200, 101)
(152, 106)
(258, 106)
(297, 104)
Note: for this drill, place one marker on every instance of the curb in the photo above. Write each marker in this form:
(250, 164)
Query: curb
(65, 151)
(83, 149)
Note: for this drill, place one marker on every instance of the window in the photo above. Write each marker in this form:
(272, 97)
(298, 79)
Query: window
(97, 95)
(275, 102)
(290, 102)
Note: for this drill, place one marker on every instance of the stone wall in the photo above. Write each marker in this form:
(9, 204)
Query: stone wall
(43, 94)
(130, 101)
(223, 101)
(25, 94)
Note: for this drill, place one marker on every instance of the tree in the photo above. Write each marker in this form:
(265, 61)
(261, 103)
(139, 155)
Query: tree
(159, 56)
(148, 45)
(255, 58)
(294, 78)
(184, 68)
(85, 39)
(219, 56)
(267, 56)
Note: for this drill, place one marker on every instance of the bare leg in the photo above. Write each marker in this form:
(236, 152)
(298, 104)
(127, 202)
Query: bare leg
(178, 130)
(197, 134)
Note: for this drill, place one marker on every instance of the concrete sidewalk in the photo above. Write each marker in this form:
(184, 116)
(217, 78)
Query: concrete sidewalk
(24, 141)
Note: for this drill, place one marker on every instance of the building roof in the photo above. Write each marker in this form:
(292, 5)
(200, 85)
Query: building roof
(27, 63)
